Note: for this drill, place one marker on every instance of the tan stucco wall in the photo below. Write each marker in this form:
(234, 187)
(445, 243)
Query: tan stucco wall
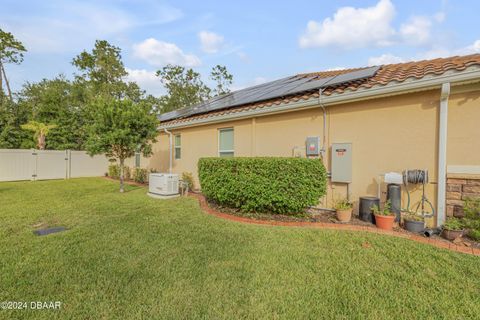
(387, 134)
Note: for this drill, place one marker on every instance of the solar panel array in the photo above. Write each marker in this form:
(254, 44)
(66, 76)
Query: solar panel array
(274, 89)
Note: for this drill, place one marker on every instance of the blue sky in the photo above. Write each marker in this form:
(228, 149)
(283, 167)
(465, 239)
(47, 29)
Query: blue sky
(257, 40)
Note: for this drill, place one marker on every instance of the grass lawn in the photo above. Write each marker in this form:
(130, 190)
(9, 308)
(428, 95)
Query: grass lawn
(128, 256)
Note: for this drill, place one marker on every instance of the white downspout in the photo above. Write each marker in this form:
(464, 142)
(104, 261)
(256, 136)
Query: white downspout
(442, 153)
(170, 142)
(324, 140)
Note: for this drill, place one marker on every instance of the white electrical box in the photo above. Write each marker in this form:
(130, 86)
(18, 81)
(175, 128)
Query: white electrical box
(341, 162)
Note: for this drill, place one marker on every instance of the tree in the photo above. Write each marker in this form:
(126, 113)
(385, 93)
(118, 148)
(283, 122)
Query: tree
(184, 88)
(61, 102)
(11, 51)
(102, 70)
(223, 80)
(120, 128)
(40, 130)
(12, 116)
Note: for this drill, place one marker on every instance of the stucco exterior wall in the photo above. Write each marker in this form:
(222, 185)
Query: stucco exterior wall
(387, 134)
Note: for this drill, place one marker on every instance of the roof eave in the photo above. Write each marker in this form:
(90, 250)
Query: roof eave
(471, 74)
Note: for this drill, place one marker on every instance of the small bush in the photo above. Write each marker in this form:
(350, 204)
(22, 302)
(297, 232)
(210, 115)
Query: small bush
(114, 171)
(472, 217)
(127, 173)
(276, 185)
(187, 177)
(140, 175)
(453, 224)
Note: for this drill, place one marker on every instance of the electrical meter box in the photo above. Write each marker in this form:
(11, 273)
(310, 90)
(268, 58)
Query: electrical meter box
(312, 145)
(341, 162)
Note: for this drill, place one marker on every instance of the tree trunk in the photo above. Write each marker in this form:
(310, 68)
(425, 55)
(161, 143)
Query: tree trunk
(122, 165)
(6, 82)
(41, 142)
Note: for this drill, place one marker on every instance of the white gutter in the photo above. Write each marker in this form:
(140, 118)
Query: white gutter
(472, 74)
(170, 142)
(442, 153)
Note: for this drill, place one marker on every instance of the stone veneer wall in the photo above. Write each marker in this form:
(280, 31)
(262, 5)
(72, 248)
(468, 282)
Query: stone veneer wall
(459, 188)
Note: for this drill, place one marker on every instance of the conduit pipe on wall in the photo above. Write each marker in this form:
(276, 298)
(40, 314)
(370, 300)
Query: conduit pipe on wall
(442, 153)
(170, 142)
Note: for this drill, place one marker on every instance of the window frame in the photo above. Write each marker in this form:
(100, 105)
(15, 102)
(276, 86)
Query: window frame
(222, 152)
(175, 147)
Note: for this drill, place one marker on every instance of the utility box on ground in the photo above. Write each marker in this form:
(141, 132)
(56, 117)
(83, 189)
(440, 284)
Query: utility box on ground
(341, 162)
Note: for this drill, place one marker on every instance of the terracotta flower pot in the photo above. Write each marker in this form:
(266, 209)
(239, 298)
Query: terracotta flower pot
(384, 222)
(344, 215)
(451, 234)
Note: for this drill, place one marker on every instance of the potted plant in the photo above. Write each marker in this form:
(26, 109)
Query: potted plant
(384, 218)
(452, 229)
(344, 210)
(414, 222)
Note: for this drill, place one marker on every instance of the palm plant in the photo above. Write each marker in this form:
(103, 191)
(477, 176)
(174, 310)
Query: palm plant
(40, 130)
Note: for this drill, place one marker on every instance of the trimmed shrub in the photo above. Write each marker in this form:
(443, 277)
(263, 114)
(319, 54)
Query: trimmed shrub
(140, 175)
(275, 185)
(114, 171)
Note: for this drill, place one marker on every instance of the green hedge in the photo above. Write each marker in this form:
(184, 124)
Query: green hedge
(276, 185)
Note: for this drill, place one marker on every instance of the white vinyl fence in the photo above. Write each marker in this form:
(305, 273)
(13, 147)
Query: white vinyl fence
(20, 164)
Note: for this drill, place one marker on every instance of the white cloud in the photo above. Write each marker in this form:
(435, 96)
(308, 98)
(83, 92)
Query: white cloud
(243, 56)
(352, 27)
(436, 52)
(473, 48)
(147, 80)
(416, 31)
(68, 26)
(384, 59)
(210, 41)
(254, 82)
(439, 52)
(440, 17)
(259, 80)
(338, 68)
(159, 53)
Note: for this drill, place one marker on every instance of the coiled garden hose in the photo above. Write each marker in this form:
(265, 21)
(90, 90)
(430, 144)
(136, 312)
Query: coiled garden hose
(417, 176)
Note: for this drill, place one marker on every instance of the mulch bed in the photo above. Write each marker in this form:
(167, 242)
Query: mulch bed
(327, 220)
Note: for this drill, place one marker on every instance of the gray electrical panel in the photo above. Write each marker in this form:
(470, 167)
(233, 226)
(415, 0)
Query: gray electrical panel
(312, 145)
(341, 162)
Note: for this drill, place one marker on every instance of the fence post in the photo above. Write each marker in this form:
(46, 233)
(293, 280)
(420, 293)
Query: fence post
(67, 164)
(34, 164)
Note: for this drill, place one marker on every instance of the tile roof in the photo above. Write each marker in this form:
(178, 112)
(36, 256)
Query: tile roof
(398, 72)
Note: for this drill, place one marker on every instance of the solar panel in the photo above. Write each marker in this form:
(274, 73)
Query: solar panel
(269, 90)
(283, 90)
(351, 76)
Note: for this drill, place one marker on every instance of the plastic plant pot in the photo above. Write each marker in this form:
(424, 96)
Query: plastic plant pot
(344, 215)
(414, 226)
(384, 222)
